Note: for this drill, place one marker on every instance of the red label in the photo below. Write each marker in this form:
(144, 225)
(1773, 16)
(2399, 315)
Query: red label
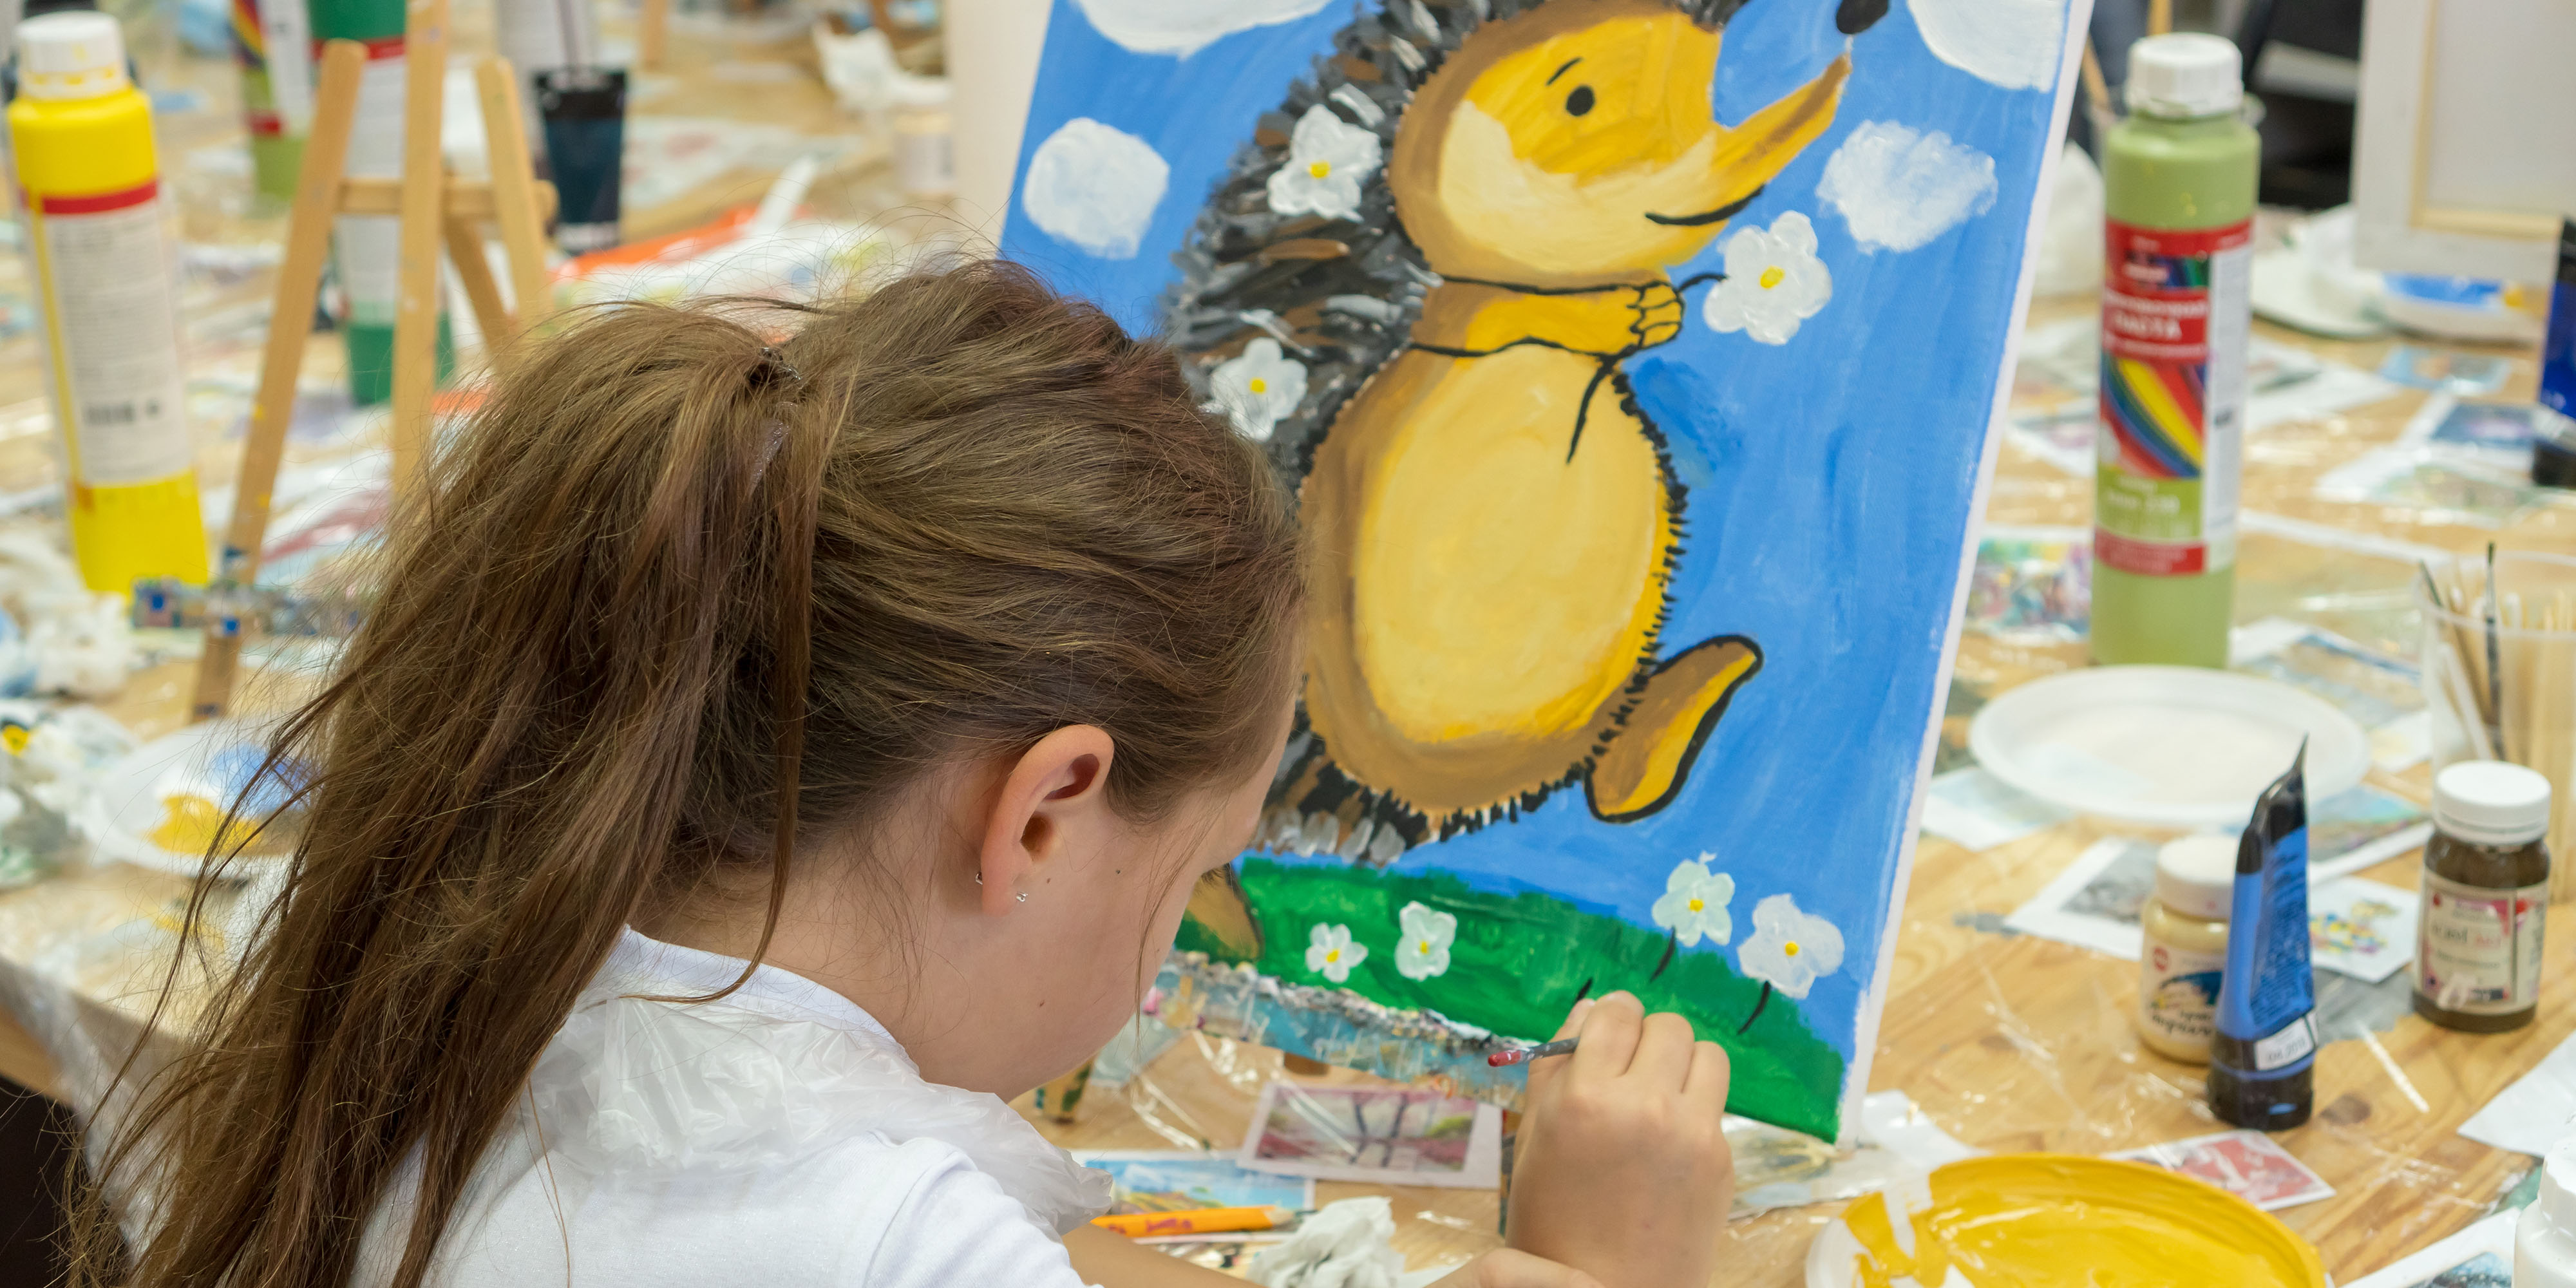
(2155, 289)
(98, 202)
(378, 49)
(2148, 558)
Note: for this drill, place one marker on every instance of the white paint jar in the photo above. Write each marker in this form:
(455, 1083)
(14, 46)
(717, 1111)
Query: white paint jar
(2185, 949)
(925, 145)
(2544, 1240)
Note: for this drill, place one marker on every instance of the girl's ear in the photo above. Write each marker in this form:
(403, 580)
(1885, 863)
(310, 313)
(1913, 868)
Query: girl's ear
(1056, 791)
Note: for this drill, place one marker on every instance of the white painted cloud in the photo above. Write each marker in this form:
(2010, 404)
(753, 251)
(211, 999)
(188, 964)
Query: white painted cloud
(1183, 27)
(2017, 44)
(1095, 186)
(1899, 189)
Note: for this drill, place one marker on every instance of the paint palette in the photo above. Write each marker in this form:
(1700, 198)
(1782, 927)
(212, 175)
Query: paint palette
(163, 805)
(2027, 1220)
(2174, 746)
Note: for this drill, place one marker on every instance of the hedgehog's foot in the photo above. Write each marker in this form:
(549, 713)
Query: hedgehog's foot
(1647, 758)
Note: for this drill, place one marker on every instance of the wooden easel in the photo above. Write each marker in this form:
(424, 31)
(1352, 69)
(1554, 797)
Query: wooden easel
(434, 208)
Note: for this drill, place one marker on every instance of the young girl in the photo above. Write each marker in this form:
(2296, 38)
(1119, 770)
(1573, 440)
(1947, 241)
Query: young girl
(768, 754)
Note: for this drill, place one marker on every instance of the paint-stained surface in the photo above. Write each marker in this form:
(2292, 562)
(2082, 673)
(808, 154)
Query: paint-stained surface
(1633, 360)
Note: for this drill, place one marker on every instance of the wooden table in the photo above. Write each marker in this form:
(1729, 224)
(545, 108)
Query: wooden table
(2007, 1042)
(2012, 1042)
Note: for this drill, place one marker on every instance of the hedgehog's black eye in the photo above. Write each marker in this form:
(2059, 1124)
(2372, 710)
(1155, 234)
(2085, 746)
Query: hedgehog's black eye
(1580, 101)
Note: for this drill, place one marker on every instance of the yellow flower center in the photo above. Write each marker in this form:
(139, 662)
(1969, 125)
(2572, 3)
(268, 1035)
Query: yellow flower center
(1695, 905)
(1259, 385)
(1319, 169)
(1790, 948)
(1773, 276)
(1426, 947)
(1335, 954)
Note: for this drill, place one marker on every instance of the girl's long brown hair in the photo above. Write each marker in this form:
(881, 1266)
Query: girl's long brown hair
(672, 598)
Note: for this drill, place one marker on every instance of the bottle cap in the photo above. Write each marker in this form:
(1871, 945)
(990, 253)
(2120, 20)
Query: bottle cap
(2557, 1201)
(2196, 876)
(2185, 73)
(920, 91)
(70, 56)
(2488, 802)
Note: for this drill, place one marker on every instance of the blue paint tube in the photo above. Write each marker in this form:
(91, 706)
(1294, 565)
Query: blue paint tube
(2553, 449)
(2262, 1062)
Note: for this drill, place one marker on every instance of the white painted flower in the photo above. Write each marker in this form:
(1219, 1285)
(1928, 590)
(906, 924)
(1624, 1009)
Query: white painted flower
(1773, 281)
(1428, 933)
(1694, 903)
(1331, 954)
(1789, 949)
(1327, 159)
(1257, 387)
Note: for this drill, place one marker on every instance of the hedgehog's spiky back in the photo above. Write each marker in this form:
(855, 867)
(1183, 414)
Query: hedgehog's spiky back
(1340, 296)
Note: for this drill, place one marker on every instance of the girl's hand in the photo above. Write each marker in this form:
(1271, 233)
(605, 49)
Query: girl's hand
(1621, 1168)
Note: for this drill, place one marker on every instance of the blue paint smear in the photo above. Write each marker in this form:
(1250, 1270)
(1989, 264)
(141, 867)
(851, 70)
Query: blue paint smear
(1829, 478)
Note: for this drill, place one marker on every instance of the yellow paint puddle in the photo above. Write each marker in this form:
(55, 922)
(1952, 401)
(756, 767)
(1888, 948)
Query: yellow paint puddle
(2057, 1221)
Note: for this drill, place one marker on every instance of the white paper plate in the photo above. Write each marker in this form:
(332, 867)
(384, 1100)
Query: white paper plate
(2178, 746)
(128, 807)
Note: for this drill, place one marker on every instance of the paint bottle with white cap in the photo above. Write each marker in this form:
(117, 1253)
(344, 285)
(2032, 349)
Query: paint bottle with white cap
(2184, 956)
(106, 273)
(2178, 180)
(2544, 1239)
(2486, 898)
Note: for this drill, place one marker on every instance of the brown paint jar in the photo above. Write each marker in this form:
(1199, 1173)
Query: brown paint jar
(2486, 898)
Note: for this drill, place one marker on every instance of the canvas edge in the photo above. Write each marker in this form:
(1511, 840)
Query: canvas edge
(2079, 21)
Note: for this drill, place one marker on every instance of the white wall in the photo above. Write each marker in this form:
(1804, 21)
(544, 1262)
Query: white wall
(992, 63)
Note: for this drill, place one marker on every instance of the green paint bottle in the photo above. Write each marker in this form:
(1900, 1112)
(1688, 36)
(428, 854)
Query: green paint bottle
(2178, 175)
(365, 249)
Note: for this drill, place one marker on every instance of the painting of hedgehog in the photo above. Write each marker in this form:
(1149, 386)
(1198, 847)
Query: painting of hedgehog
(1635, 366)
(1495, 517)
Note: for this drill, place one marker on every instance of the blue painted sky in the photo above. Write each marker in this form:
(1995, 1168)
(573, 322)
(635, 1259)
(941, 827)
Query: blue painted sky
(1829, 478)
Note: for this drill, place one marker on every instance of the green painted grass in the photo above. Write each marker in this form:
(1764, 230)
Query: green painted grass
(1519, 961)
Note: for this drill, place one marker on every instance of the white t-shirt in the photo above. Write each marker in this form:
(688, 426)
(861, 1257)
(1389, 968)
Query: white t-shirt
(778, 1136)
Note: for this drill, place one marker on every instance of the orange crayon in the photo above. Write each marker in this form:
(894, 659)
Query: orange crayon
(1138, 1225)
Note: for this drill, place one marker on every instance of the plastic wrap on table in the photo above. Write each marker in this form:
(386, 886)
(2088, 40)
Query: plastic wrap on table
(55, 757)
(2032, 584)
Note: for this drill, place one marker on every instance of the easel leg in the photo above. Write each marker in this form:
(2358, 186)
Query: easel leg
(515, 205)
(653, 34)
(474, 272)
(423, 202)
(299, 278)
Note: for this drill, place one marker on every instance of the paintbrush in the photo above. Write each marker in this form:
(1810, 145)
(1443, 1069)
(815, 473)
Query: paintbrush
(2495, 665)
(1523, 1055)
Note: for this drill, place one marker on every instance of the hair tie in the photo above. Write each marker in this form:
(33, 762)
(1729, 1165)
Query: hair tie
(773, 368)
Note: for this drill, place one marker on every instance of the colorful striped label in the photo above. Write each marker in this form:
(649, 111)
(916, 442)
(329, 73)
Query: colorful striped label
(2176, 317)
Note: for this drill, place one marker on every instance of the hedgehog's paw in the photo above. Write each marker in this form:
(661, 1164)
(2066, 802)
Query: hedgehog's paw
(1649, 755)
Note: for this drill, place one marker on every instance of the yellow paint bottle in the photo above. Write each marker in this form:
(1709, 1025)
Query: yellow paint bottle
(106, 276)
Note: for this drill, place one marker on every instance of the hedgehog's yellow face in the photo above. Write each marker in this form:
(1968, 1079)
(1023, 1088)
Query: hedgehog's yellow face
(1583, 150)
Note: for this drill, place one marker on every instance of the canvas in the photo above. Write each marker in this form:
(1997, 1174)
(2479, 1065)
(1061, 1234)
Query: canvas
(1634, 362)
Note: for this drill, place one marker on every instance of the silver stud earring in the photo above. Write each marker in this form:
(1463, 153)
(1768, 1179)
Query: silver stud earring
(1023, 896)
(979, 878)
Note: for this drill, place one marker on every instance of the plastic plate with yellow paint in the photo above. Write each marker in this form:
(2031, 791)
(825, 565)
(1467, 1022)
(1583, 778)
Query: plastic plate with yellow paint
(163, 806)
(2049, 1220)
